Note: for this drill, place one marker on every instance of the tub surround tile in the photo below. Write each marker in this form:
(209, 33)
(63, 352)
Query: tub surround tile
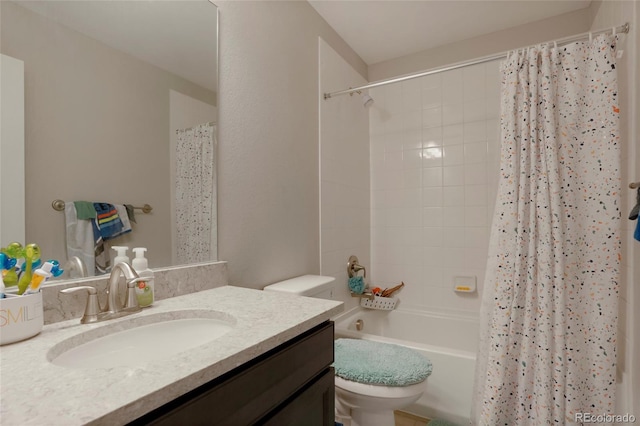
(169, 282)
(460, 165)
(42, 393)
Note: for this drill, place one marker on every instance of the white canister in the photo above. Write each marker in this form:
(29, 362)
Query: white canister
(21, 317)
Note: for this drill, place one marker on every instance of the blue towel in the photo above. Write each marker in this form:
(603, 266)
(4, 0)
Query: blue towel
(356, 285)
(106, 226)
(108, 221)
(636, 234)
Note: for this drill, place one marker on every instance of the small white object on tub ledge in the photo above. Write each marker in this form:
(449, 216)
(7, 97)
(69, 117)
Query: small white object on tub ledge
(379, 302)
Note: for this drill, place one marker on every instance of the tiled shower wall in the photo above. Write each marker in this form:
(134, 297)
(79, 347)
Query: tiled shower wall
(434, 167)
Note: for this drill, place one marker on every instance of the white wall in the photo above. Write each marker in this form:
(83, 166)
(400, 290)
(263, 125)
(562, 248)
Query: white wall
(608, 14)
(500, 41)
(12, 223)
(344, 173)
(268, 199)
(434, 163)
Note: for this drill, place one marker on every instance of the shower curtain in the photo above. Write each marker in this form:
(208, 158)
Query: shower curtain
(195, 189)
(549, 313)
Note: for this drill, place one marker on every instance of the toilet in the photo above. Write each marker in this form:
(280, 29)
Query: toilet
(372, 378)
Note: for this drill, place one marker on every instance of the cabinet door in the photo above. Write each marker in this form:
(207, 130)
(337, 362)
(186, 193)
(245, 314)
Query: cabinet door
(313, 406)
(252, 392)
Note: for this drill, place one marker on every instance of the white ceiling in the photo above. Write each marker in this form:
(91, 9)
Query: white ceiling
(383, 30)
(177, 36)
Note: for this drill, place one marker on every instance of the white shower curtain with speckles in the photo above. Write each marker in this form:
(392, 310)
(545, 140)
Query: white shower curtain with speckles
(195, 151)
(550, 304)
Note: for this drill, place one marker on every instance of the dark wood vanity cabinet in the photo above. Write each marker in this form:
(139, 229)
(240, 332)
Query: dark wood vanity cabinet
(292, 384)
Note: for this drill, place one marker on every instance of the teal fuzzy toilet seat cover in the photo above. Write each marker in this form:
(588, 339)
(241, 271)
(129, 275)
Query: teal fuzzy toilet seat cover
(376, 363)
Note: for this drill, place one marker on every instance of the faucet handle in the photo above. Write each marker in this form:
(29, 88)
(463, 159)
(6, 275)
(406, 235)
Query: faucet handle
(92, 309)
(131, 301)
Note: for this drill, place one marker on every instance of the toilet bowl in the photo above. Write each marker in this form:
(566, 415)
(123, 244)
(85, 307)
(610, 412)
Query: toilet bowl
(372, 379)
(372, 405)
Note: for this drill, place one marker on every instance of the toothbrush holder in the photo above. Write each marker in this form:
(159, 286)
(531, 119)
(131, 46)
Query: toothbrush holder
(21, 317)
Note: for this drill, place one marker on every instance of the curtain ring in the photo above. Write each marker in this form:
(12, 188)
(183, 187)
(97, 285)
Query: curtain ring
(614, 31)
(590, 37)
(555, 44)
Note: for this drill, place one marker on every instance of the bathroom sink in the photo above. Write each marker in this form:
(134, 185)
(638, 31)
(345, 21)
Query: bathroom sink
(139, 341)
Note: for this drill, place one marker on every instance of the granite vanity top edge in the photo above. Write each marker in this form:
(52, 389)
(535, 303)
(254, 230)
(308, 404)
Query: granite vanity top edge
(262, 324)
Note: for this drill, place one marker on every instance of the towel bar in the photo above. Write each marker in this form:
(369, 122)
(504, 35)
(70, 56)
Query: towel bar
(58, 205)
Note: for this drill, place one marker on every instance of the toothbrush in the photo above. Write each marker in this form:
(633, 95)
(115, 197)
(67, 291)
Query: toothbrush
(31, 254)
(10, 255)
(39, 277)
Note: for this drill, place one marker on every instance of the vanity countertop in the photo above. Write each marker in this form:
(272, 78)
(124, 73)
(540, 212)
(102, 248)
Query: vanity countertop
(36, 392)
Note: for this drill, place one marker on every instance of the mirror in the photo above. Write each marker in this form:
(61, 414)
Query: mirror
(120, 107)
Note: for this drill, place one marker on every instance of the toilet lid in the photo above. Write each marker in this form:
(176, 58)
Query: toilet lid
(375, 363)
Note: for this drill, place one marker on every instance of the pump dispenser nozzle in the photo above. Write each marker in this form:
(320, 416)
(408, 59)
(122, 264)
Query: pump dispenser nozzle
(121, 256)
(140, 262)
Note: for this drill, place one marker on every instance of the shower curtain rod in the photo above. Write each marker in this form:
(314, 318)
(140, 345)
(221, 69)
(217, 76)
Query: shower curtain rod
(621, 29)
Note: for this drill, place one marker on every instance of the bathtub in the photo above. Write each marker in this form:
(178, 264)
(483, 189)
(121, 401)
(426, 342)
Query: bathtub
(449, 341)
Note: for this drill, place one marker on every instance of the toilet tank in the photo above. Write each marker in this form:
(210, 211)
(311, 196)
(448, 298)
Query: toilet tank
(317, 286)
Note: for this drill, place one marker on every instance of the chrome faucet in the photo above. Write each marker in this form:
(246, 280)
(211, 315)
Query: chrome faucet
(113, 309)
(131, 301)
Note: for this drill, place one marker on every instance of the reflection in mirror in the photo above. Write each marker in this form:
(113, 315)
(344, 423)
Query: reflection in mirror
(120, 108)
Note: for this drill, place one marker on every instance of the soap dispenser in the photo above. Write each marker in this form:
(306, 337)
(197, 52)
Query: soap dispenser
(144, 289)
(121, 256)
